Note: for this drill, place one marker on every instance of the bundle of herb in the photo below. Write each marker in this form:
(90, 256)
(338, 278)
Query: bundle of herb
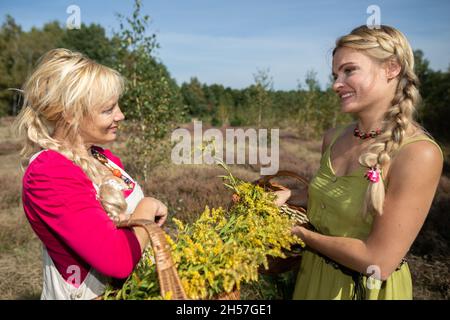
(221, 250)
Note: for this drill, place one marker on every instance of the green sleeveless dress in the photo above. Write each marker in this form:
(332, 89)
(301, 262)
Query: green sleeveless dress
(334, 209)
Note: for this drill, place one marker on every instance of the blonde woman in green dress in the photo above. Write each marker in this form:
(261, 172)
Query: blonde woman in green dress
(377, 176)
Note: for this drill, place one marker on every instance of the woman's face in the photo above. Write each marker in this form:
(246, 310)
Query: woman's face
(360, 81)
(101, 127)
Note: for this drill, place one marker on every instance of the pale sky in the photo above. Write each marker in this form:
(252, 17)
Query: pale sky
(226, 42)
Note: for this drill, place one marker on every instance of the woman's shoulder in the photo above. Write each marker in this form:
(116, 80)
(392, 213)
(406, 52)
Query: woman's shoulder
(51, 174)
(49, 159)
(50, 164)
(330, 134)
(420, 141)
(423, 150)
(418, 153)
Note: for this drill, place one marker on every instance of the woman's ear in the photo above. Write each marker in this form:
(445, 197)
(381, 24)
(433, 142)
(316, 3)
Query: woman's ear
(392, 68)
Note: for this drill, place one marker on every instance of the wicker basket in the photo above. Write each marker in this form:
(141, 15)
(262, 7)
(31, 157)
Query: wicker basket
(293, 257)
(233, 295)
(168, 278)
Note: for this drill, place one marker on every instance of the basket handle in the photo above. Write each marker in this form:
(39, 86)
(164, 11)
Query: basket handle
(167, 273)
(265, 180)
(282, 173)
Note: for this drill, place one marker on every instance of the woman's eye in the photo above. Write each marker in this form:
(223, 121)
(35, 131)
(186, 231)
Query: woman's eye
(108, 111)
(349, 70)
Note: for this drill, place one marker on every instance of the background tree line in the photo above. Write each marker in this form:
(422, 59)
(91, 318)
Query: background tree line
(151, 101)
(154, 102)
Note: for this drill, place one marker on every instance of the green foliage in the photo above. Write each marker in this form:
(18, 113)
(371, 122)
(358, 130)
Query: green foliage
(91, 41)
(194, 98)
(19, 52)
(260, 96)
(435, 91)
(151, 101)
(421, 66)
(436, 101)
(307, 115)
(310, 111)
(236, 121)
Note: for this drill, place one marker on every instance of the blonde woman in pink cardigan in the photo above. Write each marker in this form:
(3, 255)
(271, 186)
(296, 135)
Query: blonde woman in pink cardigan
(73, 190)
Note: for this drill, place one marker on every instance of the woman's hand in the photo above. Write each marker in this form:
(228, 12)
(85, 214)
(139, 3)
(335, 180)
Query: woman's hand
(122, 217)
(145, 209)
(151, 209)
(282, 196)
(299, 231)
(160, 213)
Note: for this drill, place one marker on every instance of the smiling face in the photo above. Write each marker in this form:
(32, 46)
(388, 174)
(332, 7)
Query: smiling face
(360, 81)
(101, 126)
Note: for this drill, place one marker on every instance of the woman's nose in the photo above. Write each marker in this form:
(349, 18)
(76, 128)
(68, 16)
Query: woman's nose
(337, 85)
(119, 116)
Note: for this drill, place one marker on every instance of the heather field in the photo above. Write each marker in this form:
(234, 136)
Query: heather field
(186, 189)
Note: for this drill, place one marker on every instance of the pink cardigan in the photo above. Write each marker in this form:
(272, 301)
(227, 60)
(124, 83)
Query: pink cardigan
(60, 203)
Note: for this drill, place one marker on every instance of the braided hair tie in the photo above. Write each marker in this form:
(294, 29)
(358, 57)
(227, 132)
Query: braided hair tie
(373, 174)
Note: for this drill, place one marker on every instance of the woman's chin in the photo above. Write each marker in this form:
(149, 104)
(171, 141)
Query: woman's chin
(107, 140)
(349, 108)
(345, 109)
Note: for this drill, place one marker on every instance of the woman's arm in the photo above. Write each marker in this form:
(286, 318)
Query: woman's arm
(148, 209)
(413, 180)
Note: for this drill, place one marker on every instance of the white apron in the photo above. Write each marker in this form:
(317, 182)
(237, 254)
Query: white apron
(55, 287)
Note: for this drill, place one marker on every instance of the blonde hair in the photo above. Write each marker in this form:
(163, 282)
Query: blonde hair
(383, 44)
(63, 90)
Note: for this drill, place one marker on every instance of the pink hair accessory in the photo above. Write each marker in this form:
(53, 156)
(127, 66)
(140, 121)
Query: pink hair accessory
(373, 175)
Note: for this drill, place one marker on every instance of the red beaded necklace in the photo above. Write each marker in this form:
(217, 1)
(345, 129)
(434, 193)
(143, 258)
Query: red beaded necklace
(363, 135)
(116, 172)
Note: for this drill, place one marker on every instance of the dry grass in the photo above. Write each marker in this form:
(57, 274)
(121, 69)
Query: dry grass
(20, 249)
(5, 128)
(187, 189)
(11, 191)
(21, 271)
(20, 257)
(430, 276)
